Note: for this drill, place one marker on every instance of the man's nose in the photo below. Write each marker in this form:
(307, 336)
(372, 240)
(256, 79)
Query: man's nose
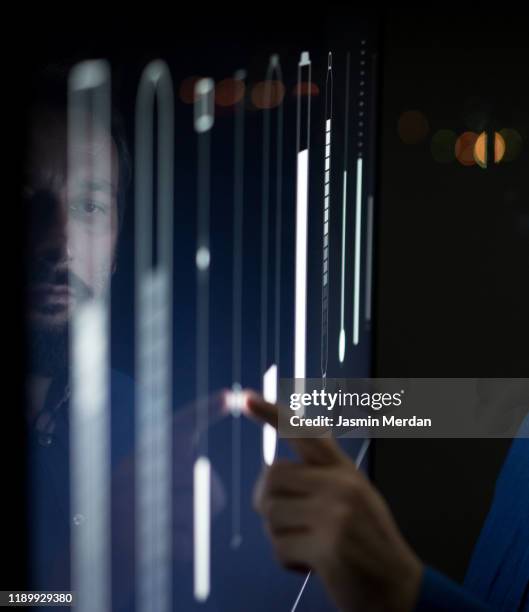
(49, 227)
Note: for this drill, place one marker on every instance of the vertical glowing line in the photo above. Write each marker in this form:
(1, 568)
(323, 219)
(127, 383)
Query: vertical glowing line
(264, 223)
(298, 598)
(302, 189)
(270, 375)
(204, 100)
(89, 108)
(301, 265)
(269, 432)
(273, 69)
(154, 341)
(238, 211)
(371, 197)
(238, 214)
(236, 443)
(358, 239)
(203, 122)
(362, 452)
(326, 222)
(201, 527)
(279, 206)
(341, 340)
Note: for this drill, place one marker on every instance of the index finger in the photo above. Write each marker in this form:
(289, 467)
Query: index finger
(315, 451)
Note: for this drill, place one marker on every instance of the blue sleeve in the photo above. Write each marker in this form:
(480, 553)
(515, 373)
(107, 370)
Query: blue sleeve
(440, 594)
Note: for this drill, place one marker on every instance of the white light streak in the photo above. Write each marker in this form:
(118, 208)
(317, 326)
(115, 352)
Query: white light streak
(237, 401)
(301, 265)
(358, 245)
(341, 345)
(202, 258)
(201, 527)
(269, 432)
(154, 336)
(362, 452)
(88, 105)
(302, 214)
(298, 598)
(204, 105)
(341, 342)
(204, 117)
(326, 223)
(90, 460)
(342, 338)
(89, 75)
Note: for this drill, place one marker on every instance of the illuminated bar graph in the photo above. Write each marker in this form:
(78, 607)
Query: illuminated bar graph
(302, 217)
(89, 160)
(203, 122)
(154, 352)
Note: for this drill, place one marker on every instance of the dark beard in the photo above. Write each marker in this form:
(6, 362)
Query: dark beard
(48, 350)
(48, 344)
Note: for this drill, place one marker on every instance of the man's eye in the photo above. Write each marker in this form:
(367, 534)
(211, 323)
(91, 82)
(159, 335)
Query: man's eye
(88, 207)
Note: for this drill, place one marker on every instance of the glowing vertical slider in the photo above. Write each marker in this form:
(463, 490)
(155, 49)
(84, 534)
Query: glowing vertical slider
(273, 73)
(302, 188)
(235, 406)
(89, 108)
(201, 527)
(269, 432)
(154, 339)
(270, 373)
(358, 244)
(371, 197)
(326, 222)
(341, 339)
(204, 105)
(301, 264)
(203, 122)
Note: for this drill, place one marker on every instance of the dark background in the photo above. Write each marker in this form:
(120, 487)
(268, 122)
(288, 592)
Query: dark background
(453, 257)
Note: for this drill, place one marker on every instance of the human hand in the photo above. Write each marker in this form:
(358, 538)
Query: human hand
(321, 513)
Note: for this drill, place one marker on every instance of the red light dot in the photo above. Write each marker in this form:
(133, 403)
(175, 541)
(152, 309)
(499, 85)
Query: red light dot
(229, 92)
(465, 148)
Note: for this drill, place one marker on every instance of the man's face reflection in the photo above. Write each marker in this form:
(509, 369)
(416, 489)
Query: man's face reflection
(73, 229)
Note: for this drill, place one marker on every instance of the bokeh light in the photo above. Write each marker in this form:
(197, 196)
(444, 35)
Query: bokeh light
(268, 94)
(187, 89)
(413, 127)
(229, 92)
(513, 144)
(443, 146)
(303, 89)
(464, 148)
(499, 147)
(480, 149)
